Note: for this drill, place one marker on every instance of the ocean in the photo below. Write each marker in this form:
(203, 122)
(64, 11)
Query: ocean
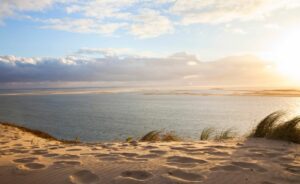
(116, 116)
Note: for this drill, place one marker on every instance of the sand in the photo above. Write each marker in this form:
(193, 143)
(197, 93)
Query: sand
(27, 159)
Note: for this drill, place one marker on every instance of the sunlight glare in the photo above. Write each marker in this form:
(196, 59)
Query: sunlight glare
(286, 54)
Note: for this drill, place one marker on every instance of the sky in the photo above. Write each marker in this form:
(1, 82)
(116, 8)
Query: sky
(181, 42)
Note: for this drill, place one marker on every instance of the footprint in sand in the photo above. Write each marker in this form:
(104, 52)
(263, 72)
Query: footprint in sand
(50, 155)
(150, 147)
(95, 149)
(18, 151)
(249, 165)
(219, 153)
(129, 154)
(136, 159)
(108, 157)
(192, 150)
(179, 148)
(84, 177)
(39, 152)
(74, 149)
(25, 160)
(292, 168)
(272, 154)
(67, 162)
(226, 168)
(68, 156)
(207, 150)
(151, 155)
(18, 145)
(218, 158)
(257, 150)
(88, 154)
(137, 174)
(53, 148)
(160, 152)
(256, 155)
(34, 166)
(286, 158)
(185, 160)
(185, 175)
(196, 153)
(218, 147)
(187, 144)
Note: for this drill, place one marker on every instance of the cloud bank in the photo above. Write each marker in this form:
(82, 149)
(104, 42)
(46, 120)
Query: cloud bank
(141, 18)
(108, 65)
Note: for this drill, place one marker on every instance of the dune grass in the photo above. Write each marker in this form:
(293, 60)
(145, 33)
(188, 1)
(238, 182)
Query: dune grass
(274, 127)
(151, 136)
(211, 133)
(225, 134)
(207, 133)
(39, 133)
(289, 130)
(266, 125)
(170, 136)
(155, 135)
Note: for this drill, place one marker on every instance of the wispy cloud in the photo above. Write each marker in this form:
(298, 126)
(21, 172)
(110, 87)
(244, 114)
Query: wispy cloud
(82, 25)
(10, 8)
(115, 53)
(149, 23)
(143, 19)
(218, 11)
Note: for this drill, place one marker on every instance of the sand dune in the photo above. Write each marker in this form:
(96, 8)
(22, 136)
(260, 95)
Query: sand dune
(27, 159)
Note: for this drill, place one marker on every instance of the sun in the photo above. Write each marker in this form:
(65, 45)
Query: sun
(285, 53)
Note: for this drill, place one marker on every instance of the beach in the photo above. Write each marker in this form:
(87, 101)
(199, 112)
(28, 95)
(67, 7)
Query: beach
(27, 159)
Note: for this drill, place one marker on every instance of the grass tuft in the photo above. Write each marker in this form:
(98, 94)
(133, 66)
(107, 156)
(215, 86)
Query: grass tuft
(270, 127)
(155, 135)
(151, 136)
(225, 134)
(288, 131)
(266, 125)
(170, 136)
(206, 133)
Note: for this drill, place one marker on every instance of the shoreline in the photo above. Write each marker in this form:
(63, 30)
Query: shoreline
(276, 92)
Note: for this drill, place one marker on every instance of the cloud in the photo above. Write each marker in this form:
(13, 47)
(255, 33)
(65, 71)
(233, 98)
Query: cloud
(234, 30)
(116, 53)
(112, 66)
(10, 8)
(219, 11)
(143, 19)
(82, 26)
(150, 23)
(103, 9)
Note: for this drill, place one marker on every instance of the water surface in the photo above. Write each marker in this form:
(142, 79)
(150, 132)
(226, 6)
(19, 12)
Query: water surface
(94, 117)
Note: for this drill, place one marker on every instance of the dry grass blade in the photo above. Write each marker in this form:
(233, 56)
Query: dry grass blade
(225, 134)
(170, 136)
(289, 131)
(265, 127)
(151, 136)
(160, 136)
(207, 133)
